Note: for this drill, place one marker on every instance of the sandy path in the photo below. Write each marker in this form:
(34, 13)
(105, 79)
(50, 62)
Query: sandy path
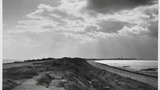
(30, 84)
(149, 80)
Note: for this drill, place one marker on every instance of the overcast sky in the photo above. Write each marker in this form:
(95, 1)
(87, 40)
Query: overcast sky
(80, 28)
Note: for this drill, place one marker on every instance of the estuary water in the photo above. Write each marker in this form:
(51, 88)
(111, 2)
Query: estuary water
(132, 64)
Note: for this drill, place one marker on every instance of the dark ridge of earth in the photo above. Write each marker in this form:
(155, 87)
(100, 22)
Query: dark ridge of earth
(65, 74)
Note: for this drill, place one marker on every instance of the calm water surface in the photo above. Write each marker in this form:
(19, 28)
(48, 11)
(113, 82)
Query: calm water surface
(132, 64)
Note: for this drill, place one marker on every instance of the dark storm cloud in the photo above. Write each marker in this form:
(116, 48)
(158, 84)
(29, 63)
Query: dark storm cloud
(113, 26)
(110, 6)
(153, 28)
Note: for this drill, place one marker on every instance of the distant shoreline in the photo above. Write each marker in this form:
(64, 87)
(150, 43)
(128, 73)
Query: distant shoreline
(122, 59)
(5, 61)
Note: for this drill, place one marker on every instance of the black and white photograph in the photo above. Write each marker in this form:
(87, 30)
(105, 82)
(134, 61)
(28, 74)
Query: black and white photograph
(80, 44)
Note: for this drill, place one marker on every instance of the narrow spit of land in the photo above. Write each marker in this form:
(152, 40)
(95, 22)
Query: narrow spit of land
(69, 74)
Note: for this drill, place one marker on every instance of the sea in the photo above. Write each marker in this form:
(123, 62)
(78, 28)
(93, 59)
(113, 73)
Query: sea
(11, 60)
(132, 64)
